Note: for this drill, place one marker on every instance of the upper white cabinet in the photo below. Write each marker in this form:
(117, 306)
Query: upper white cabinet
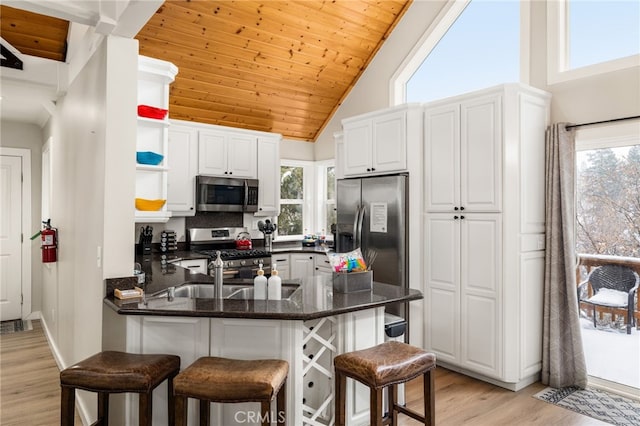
(376, 143)
(227, 154)
(154, 78)
(464, 155)
(484, 231)
(205, 149)
(268, 176)
(183, 150)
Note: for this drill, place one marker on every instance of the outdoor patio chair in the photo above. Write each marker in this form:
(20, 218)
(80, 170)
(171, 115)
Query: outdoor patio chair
(613, 286)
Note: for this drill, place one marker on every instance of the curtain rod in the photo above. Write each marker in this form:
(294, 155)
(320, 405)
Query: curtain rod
(602, 122)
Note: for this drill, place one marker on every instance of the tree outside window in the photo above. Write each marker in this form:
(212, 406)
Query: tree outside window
(608, 202)
(290, 220)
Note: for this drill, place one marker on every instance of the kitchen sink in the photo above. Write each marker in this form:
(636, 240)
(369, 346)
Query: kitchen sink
(247, 293)
(200, 291)
(229, 291)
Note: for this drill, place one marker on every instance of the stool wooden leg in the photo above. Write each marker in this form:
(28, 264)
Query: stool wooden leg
(171, 406)
(265, 407)
(67, 406)
(103, 408)
(145, 408)
(180, 410)
(281, 405)
(392, 394)
(205, 412)
(340, 395)
(375, 407)
(429, 399)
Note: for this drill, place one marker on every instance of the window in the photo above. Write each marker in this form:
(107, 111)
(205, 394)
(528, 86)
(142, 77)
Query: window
(326, 197)
(608, 207)
(480, 49)
(307, 198)
(591, 37)
(292, 191)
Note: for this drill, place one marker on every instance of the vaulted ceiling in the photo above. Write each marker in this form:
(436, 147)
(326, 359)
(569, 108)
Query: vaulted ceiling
(276, 66)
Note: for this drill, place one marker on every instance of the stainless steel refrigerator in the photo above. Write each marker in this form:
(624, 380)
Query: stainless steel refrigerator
(373, 213)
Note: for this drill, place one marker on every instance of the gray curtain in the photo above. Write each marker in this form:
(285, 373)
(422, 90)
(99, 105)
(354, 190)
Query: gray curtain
(563, 362)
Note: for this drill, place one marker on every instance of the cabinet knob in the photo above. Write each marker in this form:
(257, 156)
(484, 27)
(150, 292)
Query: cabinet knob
(461, 217)
(455, 217)
(368, 169)
(230, 173)
(455, 208)
(373, 169)
(461, 208)
(226, 173)
(190, 208)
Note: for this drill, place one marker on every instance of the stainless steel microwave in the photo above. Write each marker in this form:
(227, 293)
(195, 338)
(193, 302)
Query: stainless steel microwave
(219, 194)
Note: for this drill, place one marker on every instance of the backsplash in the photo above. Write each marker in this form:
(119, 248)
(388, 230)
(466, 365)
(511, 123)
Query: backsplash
(214, 220)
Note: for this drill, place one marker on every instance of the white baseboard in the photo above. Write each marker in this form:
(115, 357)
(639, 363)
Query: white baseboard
(80, 402)
(506, 385)
(34, 315)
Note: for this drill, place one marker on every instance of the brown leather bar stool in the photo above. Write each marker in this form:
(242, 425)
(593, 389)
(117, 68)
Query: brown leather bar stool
(118, 372)
(387, 364)
(224, 380)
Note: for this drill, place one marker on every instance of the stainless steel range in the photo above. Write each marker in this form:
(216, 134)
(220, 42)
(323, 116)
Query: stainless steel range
(238, 263)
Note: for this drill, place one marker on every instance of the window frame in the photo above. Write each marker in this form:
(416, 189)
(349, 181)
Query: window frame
(558, 49)
(314, 197)
(307, 202)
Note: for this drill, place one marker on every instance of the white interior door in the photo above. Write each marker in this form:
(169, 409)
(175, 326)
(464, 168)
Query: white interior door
(10, 237)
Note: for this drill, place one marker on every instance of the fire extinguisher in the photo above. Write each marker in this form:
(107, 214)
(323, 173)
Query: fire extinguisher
(49, 245)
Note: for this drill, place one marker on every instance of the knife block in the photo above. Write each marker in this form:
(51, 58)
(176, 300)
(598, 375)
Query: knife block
(144, 248)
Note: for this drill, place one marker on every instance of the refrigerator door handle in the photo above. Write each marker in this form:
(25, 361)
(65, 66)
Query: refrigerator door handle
(356, 218)
(360, 221)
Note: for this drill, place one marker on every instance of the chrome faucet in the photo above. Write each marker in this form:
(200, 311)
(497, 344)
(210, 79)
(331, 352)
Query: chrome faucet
(218, 270)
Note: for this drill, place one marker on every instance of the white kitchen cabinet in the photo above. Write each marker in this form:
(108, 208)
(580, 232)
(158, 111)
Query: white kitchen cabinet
(464, 155)
(464, 254)
(301, 265)
(282, 264)
(322, 265)
(154, 78)
(268, 176)
(376, 143)
(227, 154)
(484, 232)
(183, 151)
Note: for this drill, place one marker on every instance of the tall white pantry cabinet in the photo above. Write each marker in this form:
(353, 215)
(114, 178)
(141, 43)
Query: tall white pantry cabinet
(484, 232)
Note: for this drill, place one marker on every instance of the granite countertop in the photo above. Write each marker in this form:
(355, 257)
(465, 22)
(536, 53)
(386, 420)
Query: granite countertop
(314, 299)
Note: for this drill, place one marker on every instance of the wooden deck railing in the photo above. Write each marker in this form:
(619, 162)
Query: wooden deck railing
(586, 262)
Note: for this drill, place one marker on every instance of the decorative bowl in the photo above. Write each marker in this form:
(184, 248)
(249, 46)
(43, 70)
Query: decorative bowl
(152, 112)
(149, 157)
(149, 205)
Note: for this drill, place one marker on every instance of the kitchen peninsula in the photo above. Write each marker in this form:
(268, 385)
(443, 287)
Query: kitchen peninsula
(307, 328)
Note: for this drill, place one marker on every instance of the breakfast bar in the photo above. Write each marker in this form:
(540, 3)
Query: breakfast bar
(308, 327)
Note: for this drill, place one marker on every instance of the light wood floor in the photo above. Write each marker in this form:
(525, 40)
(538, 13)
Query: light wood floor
(30, 393)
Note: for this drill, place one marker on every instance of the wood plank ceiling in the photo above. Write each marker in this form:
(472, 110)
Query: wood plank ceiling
(34, 34)
(275, 66)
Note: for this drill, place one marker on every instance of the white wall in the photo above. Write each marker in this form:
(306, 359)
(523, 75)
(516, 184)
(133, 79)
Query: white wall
(296, 150)
(602, 97)
(93, 166)
(29, 136)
